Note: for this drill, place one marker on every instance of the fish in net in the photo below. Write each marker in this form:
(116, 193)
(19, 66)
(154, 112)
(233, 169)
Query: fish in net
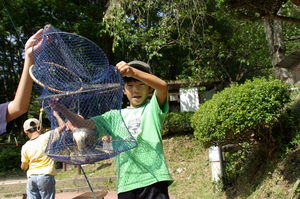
(76, 71)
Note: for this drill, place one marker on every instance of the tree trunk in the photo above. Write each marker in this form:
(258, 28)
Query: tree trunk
(274, 37)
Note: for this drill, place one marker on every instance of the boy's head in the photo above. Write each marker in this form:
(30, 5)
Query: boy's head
(137, 91)
(31, 125)
(140, 65)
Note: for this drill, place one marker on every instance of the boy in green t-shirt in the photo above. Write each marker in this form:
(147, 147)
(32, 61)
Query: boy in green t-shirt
(142, 171)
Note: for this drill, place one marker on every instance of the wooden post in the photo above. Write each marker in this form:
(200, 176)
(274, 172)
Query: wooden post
(64, 166)
(78, 169)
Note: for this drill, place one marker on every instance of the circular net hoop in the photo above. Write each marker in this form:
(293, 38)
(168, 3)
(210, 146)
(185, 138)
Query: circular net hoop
(77, 72)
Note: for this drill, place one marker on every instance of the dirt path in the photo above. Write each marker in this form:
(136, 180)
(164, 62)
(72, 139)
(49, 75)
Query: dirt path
(70, 195)
(59, 195)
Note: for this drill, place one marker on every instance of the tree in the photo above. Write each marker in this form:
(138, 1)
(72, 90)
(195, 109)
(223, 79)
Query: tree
(272, 14)
(267, 9)
(21, 18)
(149, 30)
(187, 39)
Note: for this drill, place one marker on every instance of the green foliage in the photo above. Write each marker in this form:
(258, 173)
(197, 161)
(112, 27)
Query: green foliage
(249, 174)
(21, 18)
(241, 113)
(10, 158)
(290, 123)
(149, 31)
(195, 40)
(256, 9)
(142, 31)
(227, 53)
(177, 123)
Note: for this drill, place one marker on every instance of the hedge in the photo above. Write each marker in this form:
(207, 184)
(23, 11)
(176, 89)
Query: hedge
(241, 113)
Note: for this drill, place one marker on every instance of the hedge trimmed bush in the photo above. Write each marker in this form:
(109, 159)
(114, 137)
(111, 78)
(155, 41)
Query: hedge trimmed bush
(241, 113)
(178, 123)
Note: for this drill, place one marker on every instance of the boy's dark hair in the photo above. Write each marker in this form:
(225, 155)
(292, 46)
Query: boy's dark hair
(140, 65)
(32, 130)
(34, 127)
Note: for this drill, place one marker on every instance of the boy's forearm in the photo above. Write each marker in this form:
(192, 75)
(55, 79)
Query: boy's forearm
(77, 121)
(151, 80)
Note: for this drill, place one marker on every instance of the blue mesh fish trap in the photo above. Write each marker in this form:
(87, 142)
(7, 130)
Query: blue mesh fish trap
(76, 71)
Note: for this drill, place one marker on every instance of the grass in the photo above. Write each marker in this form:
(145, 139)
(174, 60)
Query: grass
(188, 162)
(190, 168)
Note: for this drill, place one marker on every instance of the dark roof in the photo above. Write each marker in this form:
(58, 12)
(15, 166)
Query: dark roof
(174, 85)
(289, 61)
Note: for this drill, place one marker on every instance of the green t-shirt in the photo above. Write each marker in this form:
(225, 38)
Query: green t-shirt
(145, 164)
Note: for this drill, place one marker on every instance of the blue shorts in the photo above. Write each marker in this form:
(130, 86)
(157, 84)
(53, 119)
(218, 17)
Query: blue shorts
(40, 187)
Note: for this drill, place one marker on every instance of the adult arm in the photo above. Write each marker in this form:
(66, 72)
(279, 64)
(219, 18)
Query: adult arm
(61, 124)
(20, 104)
(24, 166)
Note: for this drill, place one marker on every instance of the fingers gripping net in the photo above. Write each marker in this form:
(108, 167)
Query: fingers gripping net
(77, 72)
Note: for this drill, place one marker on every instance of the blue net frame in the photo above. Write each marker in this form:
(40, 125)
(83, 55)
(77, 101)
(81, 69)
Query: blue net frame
(76, 71)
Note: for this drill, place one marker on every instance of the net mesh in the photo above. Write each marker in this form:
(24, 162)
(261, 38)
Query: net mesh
(76, 71)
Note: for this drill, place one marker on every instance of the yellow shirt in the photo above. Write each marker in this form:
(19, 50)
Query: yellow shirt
(33, 154)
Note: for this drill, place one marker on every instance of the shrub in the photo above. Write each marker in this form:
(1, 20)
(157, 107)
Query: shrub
(10, 158)
(290, 123)
(241, 113)
(177, 123)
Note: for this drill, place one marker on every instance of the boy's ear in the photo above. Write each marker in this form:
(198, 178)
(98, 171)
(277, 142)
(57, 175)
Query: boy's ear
(25, 133)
